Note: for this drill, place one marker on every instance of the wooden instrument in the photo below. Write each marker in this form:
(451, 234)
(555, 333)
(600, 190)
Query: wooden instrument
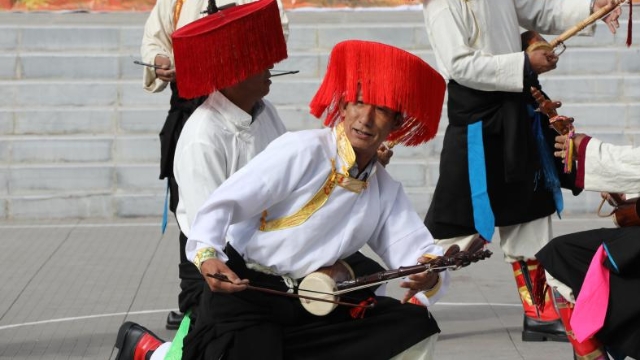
(625, 212)
(534, 41)
(331, 282)
(563, 125)
(322, 284)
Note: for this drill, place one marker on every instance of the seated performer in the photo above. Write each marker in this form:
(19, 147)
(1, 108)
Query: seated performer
(310, 199)
(614, 254)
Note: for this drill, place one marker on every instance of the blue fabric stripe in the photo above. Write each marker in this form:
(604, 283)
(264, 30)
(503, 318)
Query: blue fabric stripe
(482, 214)
(165, 212)
(615, 266)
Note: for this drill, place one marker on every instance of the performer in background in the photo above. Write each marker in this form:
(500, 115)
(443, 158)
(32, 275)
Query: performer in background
(157, 48)
(494, 134)
(311, 199)
(610, 310)
(233, 125)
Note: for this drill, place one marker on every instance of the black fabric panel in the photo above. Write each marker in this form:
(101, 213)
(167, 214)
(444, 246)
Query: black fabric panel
(568, 257)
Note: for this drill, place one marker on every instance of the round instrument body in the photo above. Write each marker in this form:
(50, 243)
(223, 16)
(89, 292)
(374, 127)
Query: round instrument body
(627, 213)
(321, 284)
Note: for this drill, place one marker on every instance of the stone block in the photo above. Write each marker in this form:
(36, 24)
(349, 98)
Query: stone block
(138, 149)
(129, 70)
(69, 66)
(633, 116)
(6, 122)
(292, 92)
(596, 114)
(4, 180)
(139, 178)
(142, 121)
(420, 199)
(5, 153)
(8, 38)
(3, 208)
(8, 63)
(132, 94)
(50, 180)
(302, 38)
(588, 62)
(65, 121)
(7, 94)
(61, 206)
(629, 60)
(307, 63)
(410, 174)
(65, 93)
(41, 150)
(632, 88)
(134, 205)
(131, 38)
(395, 34)
(66, 38)
(298, 118)
(602, 89)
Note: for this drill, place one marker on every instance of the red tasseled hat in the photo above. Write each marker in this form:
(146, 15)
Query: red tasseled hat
(227, 47)
(387, 76)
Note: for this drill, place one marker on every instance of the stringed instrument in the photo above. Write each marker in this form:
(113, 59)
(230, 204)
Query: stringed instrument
(626, 212)
(319, 292)
(331, 282)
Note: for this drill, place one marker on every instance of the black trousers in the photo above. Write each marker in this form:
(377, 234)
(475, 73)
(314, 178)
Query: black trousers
(255, 325)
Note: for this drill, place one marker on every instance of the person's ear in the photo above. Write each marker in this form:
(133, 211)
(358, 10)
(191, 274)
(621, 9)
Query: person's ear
(342, 106)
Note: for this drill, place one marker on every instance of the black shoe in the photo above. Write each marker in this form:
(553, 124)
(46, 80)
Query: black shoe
(173, 320)
(538, 330)
(130, 335)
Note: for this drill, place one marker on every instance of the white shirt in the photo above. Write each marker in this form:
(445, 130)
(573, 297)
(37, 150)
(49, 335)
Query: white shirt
(283, 178)
(477, 42)
(160, 25)
(218, 139)
(611, 168)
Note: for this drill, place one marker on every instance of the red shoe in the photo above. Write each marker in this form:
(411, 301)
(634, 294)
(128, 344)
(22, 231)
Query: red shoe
(135, 342)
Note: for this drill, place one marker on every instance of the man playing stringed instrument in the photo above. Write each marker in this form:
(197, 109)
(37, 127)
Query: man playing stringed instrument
(311, 199)
(496, 164)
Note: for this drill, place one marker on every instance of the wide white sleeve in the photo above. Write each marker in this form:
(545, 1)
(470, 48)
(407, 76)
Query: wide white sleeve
(553, 16)
(267, 179)
(201, 169)
(450, 32)
(156, 40)
(403, 239)
(611, 168)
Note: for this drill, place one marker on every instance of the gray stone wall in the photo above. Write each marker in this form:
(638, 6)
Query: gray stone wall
(78, 134)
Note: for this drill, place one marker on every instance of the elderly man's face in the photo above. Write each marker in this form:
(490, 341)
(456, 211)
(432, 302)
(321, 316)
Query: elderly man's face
(367, 126)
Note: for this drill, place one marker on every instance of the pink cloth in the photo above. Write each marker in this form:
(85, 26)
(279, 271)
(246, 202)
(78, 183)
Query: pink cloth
(591, 305)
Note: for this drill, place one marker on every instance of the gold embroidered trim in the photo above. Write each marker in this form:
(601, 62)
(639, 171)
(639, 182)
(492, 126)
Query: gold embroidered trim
(203, 255)
(345, 150)
(348, 156)
(176, 13)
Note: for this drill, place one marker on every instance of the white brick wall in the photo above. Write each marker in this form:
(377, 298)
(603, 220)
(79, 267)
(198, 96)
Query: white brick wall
(79, 136)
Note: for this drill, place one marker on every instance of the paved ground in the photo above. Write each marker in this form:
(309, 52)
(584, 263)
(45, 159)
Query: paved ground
(67, 286)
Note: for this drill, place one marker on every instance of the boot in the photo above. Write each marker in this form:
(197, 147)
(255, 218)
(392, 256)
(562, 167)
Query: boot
(540, 323)
(173, 320)
(135, 342)
(590, 349)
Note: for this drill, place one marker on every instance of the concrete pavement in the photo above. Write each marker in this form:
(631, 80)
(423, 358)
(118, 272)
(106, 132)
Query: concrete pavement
(66, 286)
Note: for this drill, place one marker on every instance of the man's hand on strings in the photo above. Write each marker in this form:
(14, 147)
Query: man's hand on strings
(612, 19)
(423, 281)
(215, 266)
